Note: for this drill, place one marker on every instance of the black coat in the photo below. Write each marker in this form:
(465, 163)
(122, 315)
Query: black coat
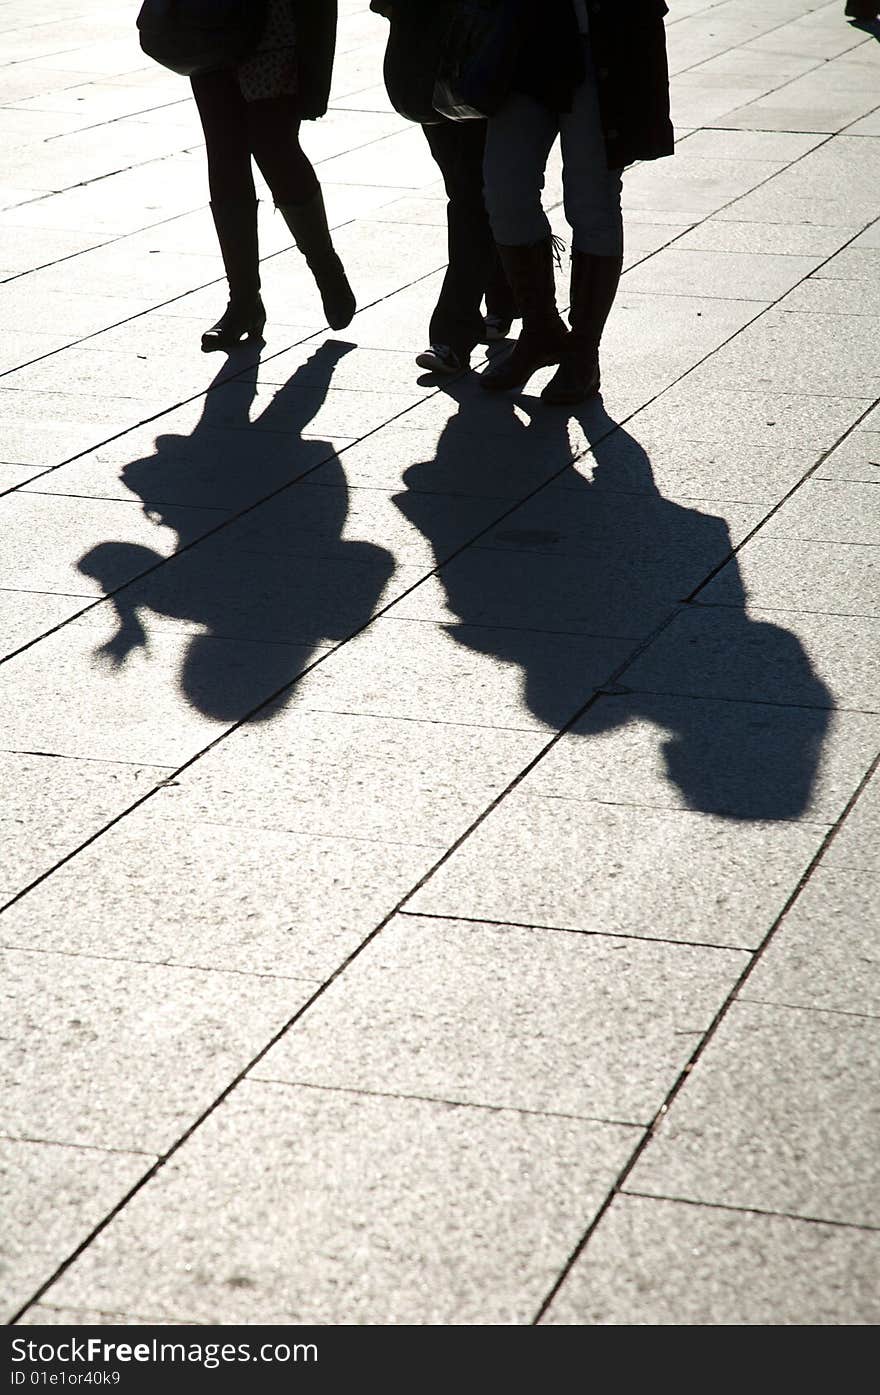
(628, 41)
(315, 48)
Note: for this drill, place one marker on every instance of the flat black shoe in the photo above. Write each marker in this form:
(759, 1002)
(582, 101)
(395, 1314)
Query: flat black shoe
(237, 322)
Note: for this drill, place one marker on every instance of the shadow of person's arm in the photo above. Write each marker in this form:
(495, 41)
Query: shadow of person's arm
(111, 564)
(130, 634)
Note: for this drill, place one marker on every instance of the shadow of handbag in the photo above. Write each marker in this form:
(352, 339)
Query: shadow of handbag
(192, 37)
(479, 58)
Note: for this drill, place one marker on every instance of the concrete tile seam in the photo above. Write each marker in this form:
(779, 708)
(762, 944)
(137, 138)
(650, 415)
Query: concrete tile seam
(480, 1105)
(752, 1211)
(771, 513)
(755, 957)
(669, 809)
(794, 609)
(200, 1119)
(567, 930)
(807, 1007)
(81, 1147)
(95, 760)
(760, 702)
(6, 946)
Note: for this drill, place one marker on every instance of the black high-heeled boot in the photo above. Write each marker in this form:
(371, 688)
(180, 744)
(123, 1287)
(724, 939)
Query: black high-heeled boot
(594, 282)
(245, 315)
(308, 224)
(529, 271)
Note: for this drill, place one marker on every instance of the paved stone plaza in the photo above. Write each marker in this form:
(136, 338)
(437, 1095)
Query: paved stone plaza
(440, 834)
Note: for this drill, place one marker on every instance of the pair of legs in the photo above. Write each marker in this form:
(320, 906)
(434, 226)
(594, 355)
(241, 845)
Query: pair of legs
(518, 143)
(237, 131)
(474, 268)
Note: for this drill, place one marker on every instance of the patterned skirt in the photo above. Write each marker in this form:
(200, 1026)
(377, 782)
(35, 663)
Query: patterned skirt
(270, 71)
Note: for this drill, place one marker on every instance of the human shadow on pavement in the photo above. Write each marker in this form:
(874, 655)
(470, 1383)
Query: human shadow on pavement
(573, 581)
(276, 581)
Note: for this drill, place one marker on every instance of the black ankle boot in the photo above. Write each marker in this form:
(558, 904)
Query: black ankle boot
(240, 320)
(594, 282)
(308, 223)
(865, 10)
(529, 271)
(236, 225)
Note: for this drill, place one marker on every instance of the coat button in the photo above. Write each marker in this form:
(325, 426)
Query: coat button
(602, 73)
(612, 133)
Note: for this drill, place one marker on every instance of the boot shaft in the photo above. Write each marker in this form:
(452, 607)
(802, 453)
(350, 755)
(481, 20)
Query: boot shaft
(236, 227)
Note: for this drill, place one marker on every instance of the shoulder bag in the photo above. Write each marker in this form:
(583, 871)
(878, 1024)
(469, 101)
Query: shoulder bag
(479, 59)
(192, 37)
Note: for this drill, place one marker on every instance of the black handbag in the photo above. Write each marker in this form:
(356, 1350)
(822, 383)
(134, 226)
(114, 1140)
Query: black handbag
(412, 57)
(479, 59)
(192, 37)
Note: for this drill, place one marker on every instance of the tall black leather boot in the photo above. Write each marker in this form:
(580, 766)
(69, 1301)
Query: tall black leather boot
(245, 315)
(529, 271)
(594, 282)
(308, 223)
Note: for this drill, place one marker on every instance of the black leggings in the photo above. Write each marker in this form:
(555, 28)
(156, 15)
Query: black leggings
(235, 130)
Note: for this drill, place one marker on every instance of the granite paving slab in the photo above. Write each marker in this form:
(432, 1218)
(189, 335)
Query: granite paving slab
(657, 874)
(50, 806)
(63, 544)
(510, 1018)
(71, 1190)
(338, 775)
(105, 687)
(738, 760)
(27, 615)
(109, 1055)
(856, 458)
(857, 845)
(826, 953)
(209, 895)
(310, 1200)
(662, 1263)
(840, 578)
(780, 1114)
(467, 674)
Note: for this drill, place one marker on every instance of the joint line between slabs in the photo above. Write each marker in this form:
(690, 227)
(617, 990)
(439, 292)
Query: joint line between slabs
(752, 1211)
(539, 929)
(619, 1185)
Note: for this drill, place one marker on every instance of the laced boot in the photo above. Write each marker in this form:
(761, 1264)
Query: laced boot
(594, 282)
(245, 315)
(529, 271)
(308, 224)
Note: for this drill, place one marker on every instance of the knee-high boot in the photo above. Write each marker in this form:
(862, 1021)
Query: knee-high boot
(236, 225)
(308, 223)
(529, 271)
(594, 282)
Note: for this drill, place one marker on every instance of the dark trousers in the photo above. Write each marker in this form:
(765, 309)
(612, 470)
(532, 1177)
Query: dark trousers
(236, 130)
(474, 269)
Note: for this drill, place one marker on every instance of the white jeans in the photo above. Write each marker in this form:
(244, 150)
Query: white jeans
(518, 142)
